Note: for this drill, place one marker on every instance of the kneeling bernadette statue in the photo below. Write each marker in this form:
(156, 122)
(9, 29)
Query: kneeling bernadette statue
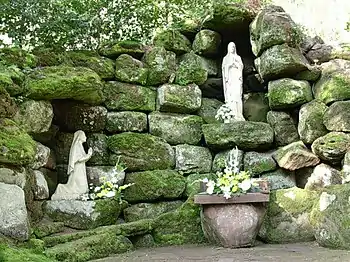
(232, 69)
(77, 184)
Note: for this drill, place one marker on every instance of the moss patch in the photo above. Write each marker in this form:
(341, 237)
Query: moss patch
(173, 40)
(15, 254)
(113, 50)
(18, 57)
(130, 70)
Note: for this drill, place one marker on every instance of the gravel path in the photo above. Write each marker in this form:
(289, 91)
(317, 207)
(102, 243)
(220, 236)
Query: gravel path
(261, 253)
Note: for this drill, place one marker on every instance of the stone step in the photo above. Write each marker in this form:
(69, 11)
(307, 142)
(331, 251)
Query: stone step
(90, 247)
(135, 228)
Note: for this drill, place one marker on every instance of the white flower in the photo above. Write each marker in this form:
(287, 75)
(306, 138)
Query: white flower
(110, 194)
(227, 191)
(210, 187)
(227, 195)
(114, 180)
(205, 180)
(245, 185)
(97, 189)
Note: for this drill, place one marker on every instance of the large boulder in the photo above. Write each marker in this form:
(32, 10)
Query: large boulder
(334, 84)
(255, 107)
(191, 70)
(115, 49)
(295, 156)
(14, 176)
(206, 43)
(288, 93)
(103, 66)
(280, 179)
(35, 116)
(209, 109)
(17, 147)
(65, 82)
(273, 26)
(8, 107)
(287, 217)
(173, 40)
(41, 157)
(13, 216)
(280, 61)
(176, 128)
(331, 147)
(322, 176)
(41, 189)
(100, 154)
(245, 135)
(330, 217)
(337, 117)
(257, 163)
(283, 127)
(179, 99)
(84, 214)
(310, 125)
(71, 116)
(161, 65)
(141, 151)
(154, 185)
(130, 70)
(192, 159)
(149, 210)
(182, 226)
(11, 79)
(126, 121)
(123, 96)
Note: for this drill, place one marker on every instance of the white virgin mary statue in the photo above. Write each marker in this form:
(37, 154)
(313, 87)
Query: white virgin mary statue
(232, 69)
(77, 184)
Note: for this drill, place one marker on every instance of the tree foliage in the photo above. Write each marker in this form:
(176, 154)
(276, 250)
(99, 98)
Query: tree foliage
(88, 23)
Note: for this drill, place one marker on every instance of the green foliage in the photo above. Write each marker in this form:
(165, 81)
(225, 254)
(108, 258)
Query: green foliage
(9, 254)
(88, 23)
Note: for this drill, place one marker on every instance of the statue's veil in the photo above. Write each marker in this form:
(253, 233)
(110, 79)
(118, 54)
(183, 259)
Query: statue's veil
(76, 151)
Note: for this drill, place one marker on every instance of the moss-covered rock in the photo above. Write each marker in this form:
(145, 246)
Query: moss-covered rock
(191, 70)
(255, 107)
(179, 99)
(122, 96)
(329, 217)
(283, 127)
(287, 217)
(209, 109)
(288, 93)
(257, 163)
(113, 50)
(100, 154)
(72, 116)
(91, 247)
(14, 254)
(149, 210)
(206, 43)
(245, 135)
(310, 124)
(144, 241)
(337, 117)
(8, 107)
(280, 179)
(173, 40)
(331, 147)
(141, 151)
(161, 65)
(312, 74)
(280, 61)
(11, 79)
(221, 159)
(193, 183)
(323, 176)
(334, 84)
(182, 226)
(103, 66)
(273, 26)
(130, 70)
(19, 57)
(17, 147)
(154, 185)
(45, 229)
(84, 214)
(34, 116)
(126, 121)
(65, 82)
(49, 56)
(295, 156)
(176, 128)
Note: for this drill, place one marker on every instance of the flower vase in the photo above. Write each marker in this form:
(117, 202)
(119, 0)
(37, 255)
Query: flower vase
(233, 222)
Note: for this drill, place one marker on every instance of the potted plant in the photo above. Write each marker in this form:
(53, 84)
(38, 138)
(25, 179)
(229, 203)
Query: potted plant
(233, 206)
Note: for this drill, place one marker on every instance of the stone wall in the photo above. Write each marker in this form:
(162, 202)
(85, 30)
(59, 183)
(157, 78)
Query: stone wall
(154, 107)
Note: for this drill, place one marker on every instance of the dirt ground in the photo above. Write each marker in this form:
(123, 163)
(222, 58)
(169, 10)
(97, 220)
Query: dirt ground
(260, 253)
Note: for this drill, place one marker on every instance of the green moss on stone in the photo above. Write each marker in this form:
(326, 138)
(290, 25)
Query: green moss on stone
(17, 147)
(173, 40)
(141, 151)
(109, 210)
(16, 254)
(113, 50)
(64, 82)
(122, 96)
(8, 107)
(130, 70)
(206, 42)
(11, 78)
(89, 248)
(154, 185)
(44, 229)
(18, 57)
(191, 70)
